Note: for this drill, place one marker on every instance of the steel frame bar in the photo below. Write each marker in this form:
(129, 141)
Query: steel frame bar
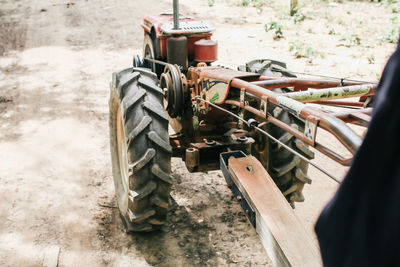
(354, 116)
(326, 121)
(299, 135)
(273, 83)
(332, 93)
(340, 103)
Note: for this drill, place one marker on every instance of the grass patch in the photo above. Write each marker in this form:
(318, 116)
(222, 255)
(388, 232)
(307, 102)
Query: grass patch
(277, 28)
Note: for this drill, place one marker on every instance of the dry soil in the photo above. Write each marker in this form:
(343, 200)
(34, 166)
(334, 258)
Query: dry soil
(56, 187)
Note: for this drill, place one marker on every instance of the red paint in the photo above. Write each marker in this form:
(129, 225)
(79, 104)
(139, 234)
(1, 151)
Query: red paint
(151, 23)
(205, 51)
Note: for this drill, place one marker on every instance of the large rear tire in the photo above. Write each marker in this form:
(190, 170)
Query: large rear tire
(140, 149)
(288, 171)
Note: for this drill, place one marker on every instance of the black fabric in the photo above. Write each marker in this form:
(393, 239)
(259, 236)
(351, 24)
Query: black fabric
(360, 226)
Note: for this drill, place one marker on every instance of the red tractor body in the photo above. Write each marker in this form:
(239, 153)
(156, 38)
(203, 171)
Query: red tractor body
(160, 28)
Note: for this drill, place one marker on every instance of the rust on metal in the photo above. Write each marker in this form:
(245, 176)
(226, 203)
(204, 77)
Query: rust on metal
(301, 83)
(328, 122)
(339, 103)
(288, 243)
(223, 74)
(213, 83)
(299, 135)
(310, 129)
(355, 116)
(192, 158)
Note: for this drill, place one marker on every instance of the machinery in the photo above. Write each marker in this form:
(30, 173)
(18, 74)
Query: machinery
(253, 123)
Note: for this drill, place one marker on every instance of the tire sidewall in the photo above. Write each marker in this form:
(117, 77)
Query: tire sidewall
(121, 192)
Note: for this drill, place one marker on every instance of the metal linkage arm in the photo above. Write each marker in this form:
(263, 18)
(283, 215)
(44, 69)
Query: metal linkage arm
(332, 93)
(272, 83)
(326, 121)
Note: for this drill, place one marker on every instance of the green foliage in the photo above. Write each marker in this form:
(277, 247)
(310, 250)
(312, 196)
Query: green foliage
(299, 50)
(298, 17)
(392, 36)
(211, 2)
(351, 40)
(371, 59)
(254, 3)
(244, 3)
(273, 25)
(331, 31)
(394, 5)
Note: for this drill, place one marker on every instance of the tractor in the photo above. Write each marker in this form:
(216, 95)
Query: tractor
(254, 123)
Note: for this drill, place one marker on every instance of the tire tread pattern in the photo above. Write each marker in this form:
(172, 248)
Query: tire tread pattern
(149, 152)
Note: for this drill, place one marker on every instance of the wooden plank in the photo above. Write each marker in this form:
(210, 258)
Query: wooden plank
(281, 232)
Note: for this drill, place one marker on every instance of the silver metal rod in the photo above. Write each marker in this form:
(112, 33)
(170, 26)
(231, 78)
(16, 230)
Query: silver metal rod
(273, 138)
(156, 61)
(176, 14)
(298, 154)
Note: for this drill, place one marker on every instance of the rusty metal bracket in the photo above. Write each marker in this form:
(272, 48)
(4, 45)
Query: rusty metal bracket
(259, 194)
(204, 156)
(242, 96)
(310, 129)
(264, 105)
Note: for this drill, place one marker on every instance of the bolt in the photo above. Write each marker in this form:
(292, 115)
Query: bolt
(252, 123)
(242, 139)
(210, 142)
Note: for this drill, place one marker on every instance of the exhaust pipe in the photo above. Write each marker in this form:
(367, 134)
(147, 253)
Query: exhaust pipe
(176, 14)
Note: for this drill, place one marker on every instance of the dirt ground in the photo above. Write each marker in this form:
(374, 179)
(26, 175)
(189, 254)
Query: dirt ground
(56, 187)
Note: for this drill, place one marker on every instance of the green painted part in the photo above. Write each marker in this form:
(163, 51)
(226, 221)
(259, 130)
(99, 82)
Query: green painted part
(332, 93)
(195, 123)
(290, 105)
(214, 98)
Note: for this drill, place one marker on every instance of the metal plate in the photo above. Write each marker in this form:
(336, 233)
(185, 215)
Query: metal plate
(188, 27)
(310, 129)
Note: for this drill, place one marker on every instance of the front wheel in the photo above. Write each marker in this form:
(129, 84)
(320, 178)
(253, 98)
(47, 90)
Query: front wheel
(140, 150)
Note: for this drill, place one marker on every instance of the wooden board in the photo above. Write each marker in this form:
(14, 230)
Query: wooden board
(281, 232)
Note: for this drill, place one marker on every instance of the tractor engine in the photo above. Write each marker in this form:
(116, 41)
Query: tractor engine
(168, 36)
